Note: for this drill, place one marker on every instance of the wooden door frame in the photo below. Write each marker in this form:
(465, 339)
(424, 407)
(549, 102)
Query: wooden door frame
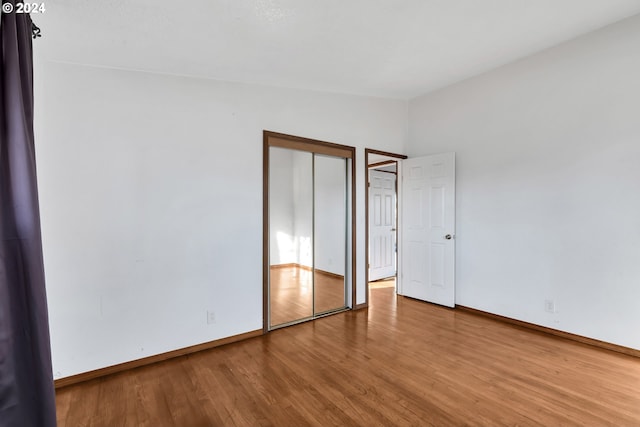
(368, 151)
(275, 139)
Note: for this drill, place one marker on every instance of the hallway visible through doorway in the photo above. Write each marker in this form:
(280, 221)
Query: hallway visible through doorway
(383, 283)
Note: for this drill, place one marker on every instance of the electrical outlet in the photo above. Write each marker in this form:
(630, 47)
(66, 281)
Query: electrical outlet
(549, 306)
(211, 317)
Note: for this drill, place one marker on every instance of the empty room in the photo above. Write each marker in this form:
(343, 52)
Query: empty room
(296, 212)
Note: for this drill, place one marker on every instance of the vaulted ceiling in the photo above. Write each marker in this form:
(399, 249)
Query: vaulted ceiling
(386, 48)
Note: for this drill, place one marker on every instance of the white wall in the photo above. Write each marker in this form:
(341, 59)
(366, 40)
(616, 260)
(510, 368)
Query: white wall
(282, 244)
(303, 207)
(151, 202)
(548, 184)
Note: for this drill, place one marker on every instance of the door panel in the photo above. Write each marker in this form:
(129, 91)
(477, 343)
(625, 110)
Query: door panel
(382, 234)
(428, 229)
(330, 231)
(290, 228)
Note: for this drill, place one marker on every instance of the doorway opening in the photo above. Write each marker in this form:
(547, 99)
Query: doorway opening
(309, 229)
(381, 204)
(426, 225)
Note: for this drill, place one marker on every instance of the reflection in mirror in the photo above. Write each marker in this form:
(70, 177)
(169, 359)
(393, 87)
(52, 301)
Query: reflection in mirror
(291, 235)
(330, 228)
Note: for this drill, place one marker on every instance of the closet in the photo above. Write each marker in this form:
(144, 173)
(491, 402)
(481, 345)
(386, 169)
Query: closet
(308, 229)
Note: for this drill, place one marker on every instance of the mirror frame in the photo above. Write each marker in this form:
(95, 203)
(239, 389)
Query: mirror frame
(275, 139)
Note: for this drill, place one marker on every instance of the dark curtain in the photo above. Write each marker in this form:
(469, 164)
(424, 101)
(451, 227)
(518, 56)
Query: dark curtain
(26, 384)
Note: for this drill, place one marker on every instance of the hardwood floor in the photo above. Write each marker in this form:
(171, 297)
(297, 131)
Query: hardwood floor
(383, 283)
(400, 362)
(292, 293)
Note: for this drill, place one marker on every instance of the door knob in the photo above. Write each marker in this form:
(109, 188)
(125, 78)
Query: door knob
(448, 237)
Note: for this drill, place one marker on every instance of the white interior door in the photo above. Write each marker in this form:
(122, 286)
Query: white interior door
(427, 212)
(382, 224)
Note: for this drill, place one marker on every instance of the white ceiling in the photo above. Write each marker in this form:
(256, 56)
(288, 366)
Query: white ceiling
(387, 48)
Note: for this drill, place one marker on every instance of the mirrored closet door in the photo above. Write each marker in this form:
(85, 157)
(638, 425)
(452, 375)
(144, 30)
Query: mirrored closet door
(308, 229)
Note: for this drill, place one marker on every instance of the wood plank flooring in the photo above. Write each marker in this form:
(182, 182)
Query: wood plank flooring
(401, 362)
(293, 293)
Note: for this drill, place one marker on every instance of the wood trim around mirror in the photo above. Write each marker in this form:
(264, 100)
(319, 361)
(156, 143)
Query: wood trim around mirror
(275, 139)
